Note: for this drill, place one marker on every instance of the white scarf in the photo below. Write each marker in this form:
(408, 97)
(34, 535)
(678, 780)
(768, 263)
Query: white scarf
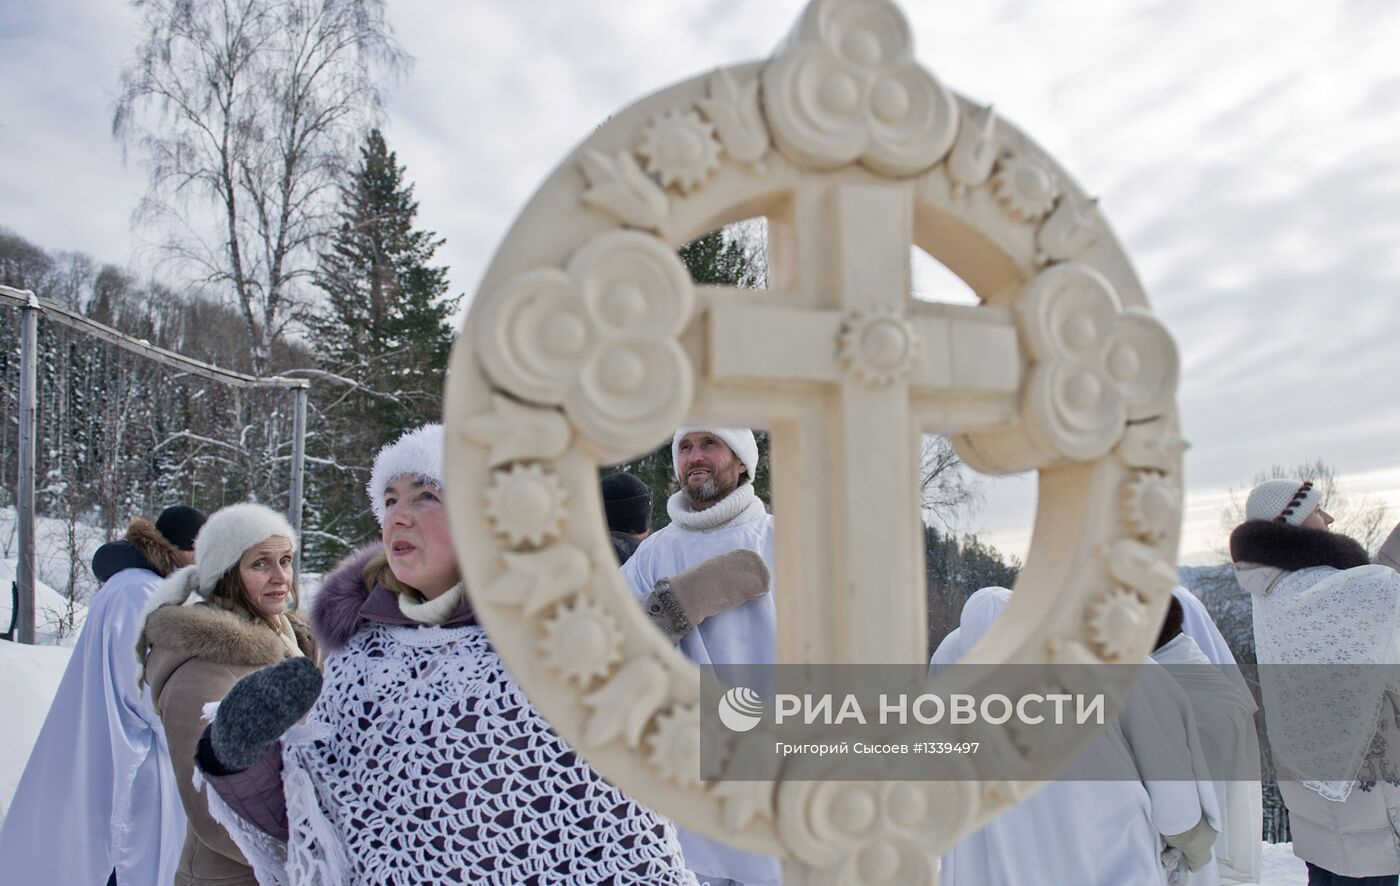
(739, 506)
(434, 611)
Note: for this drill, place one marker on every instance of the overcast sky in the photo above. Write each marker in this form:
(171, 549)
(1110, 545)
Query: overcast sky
(1247, 154)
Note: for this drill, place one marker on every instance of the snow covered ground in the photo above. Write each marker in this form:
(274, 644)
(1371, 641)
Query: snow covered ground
(29, 678)
(1281, 867)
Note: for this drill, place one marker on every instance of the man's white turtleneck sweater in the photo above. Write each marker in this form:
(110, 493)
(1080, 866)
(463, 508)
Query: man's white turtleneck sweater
(746, 634)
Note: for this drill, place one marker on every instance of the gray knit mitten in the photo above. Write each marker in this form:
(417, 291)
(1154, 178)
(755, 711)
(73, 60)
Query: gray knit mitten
(259, 708)
(677, 604)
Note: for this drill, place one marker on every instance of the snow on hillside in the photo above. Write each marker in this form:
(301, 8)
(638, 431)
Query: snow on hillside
(51, 613)
(29, 677)
(63, 560)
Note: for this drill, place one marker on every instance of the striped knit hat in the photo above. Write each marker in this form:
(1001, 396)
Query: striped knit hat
(1283, 501)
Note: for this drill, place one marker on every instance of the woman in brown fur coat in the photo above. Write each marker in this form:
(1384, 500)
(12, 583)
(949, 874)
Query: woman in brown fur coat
(193, 654)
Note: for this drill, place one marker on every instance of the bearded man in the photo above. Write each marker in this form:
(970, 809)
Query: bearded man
(714, 512)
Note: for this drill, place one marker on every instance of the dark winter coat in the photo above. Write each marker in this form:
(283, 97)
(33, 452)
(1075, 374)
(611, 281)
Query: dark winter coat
(143, 547)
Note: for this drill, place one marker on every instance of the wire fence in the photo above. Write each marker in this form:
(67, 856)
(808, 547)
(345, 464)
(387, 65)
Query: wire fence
(123, 428)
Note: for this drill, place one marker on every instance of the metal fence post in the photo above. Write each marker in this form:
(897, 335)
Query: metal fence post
(28, 433)
(298, 472)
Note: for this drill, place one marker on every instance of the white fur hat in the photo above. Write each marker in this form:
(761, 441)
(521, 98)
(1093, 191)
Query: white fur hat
(417, 453)
(226, 536)
(1282, 501)
(739, 440)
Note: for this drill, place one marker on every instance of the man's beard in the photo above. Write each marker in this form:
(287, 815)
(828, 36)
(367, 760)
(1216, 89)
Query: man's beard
(713, 489)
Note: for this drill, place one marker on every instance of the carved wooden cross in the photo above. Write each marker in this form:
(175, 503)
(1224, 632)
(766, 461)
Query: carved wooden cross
(876, 369)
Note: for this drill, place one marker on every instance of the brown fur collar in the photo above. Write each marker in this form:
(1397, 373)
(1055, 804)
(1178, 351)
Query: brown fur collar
(1290, 548)
(216, 634)
(163, 556)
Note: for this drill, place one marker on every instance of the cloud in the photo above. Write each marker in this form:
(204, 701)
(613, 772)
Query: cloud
(1244, 154)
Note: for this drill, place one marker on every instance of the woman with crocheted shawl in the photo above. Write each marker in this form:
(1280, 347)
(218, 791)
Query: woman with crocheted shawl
(421, 760)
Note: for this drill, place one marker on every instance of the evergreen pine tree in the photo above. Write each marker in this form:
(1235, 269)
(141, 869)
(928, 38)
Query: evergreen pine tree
(384, 331)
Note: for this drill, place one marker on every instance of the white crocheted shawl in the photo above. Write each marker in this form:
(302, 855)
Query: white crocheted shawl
(422, 762)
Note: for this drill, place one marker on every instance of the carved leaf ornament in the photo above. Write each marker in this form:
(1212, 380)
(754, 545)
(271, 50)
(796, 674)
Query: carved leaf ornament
(588, 344)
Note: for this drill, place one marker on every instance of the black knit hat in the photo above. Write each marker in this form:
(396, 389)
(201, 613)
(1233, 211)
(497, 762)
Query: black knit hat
(627, 503)
(180, 524)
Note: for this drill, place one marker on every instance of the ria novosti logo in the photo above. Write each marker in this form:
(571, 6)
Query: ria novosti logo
(740, 709)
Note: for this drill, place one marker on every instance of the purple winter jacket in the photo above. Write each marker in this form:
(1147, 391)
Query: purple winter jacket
(342, 607)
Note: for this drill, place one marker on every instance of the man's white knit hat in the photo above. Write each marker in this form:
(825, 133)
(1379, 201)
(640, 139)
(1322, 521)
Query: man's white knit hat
(739, 440)
(226, 536)
(1283, 501)
(417, 453)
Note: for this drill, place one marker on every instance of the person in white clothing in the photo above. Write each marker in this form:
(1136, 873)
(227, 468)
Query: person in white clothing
(714, 512)
(98, 798)
(1318, 599)
(1097, 832)
(1224, 716)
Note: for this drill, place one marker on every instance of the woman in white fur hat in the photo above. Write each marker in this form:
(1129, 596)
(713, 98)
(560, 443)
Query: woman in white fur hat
(191, 655)
(421, 760)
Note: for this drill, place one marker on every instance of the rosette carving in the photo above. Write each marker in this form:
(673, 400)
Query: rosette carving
(598, 337)
(1096, 364)
(874, 832)
(526, 504)
(845, 87)
(1151, 506)
(680, 149)
(581, 642)
(1026, 187)
(878, 347)
(1117, 618)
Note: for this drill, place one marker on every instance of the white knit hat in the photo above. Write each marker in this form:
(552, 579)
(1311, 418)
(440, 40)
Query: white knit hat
(226, 536)
(1283, 501)
(417, 453)
(739, 440)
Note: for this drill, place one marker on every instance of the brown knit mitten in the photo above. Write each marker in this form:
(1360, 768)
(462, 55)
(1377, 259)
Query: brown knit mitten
(1195, 844)
(679, 603)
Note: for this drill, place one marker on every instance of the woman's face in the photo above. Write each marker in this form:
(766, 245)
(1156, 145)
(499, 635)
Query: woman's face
(266, 573)
(416, 539)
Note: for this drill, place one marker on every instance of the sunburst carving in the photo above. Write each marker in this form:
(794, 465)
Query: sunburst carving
(581, 643)
(680, 149)
(1116, 620)
(674, 748)
(526, 505)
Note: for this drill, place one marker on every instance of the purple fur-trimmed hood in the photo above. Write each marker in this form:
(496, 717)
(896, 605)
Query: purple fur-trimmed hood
(335, 613)
(344, 604)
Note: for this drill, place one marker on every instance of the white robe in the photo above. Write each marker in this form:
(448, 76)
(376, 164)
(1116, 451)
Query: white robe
(98, 793)
(1089, 833)
(746, 634)
(1225, 720)
(1200, 627)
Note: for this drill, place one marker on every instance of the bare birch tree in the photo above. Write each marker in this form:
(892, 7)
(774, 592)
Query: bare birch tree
(248, 113)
